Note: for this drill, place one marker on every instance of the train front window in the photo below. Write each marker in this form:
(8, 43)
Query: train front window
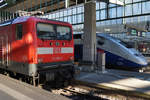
(45, 31)
(63, 33)
(53, 32)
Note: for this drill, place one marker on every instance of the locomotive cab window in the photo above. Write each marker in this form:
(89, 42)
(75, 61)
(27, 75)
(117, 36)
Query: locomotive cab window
(19, 31)
(45, 31)
(51, 31)
(64, 33)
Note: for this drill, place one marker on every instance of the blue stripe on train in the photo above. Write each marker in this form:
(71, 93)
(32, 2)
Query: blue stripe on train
(115, 60)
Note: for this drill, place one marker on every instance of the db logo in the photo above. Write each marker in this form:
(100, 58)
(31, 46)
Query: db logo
(57, 50)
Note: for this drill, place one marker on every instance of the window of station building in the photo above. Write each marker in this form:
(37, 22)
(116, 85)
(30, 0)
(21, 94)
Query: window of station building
(79, 18)
(137, 1)
(82, 16)
(97, 5)
(142, 18)
(65, 19)
(146, 7)
(82, 8)
(61, 13)
(98, 24)
(103, 14)
(19, 31)
(74, 10)
(127, 1)
(135, 19)
(120, 11)
(57, 15)
(74, 27)
(128, 10)
(113, 22)
(61, 19)
(74, 19)
(102, 23)
(79, 9)
(136, 8)
(97, 15)
(53, 15)
(69, 11)
(69, 19)
(128, 20)
(102, 5)
(112, 5)
(112, 13)
(120, 21)
(65, 13)
(49, 16)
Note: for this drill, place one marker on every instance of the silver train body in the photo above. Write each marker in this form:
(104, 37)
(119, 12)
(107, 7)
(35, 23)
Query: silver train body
(119, 53)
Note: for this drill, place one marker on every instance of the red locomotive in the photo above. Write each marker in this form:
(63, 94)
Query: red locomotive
(38, 48)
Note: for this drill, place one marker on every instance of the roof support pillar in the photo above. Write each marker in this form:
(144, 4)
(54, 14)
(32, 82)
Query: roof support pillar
(89, 41)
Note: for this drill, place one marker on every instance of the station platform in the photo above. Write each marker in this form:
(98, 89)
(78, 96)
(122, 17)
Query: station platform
(124, 82)
(12, 89)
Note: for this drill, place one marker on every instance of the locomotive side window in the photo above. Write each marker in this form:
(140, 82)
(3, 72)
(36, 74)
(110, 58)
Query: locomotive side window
(19, 31)
(63, 33)
(45, 31)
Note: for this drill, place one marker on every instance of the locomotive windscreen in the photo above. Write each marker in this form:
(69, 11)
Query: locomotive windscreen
(52, 32)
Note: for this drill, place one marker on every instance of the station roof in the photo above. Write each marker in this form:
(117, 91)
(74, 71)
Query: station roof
(42, 5)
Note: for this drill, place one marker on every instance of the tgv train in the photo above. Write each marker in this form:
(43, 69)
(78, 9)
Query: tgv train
(118, 53)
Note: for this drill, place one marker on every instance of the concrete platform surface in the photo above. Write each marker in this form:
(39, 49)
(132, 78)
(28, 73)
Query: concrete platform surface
(11, 89)
(137, 83)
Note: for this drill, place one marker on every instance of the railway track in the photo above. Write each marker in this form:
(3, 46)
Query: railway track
(86, 93)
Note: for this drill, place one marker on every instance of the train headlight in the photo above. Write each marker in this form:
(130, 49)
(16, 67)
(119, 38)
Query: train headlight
(71, 58)
(29, 39)
(40, 60)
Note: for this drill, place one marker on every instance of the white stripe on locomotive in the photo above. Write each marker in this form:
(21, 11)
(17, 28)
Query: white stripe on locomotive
(45, 51)
(51, 50)
(66, 50)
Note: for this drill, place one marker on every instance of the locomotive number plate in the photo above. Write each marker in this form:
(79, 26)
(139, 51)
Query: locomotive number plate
(57, 50)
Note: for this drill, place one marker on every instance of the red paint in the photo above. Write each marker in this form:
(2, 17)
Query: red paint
(25, 49)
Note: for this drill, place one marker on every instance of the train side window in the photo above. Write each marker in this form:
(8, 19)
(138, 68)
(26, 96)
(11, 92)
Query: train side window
(100, 42)
(19, 31)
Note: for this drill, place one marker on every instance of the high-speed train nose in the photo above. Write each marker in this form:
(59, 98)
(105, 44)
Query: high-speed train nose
(143, 62)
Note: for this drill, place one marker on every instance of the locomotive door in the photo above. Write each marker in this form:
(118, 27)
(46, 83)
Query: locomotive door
(3, 51)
